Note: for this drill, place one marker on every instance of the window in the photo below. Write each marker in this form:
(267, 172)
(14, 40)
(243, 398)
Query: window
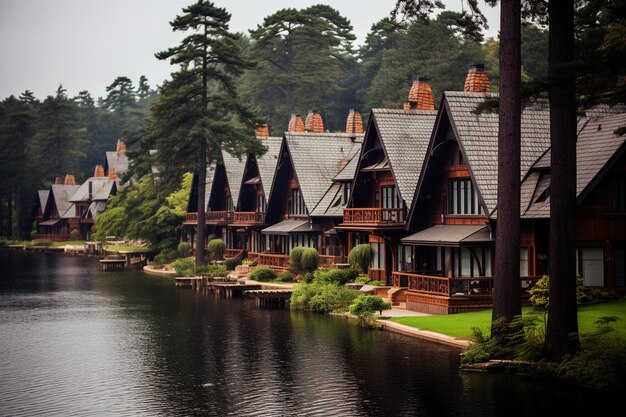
(260, 203)
(391, 199)
(404, 258)
(523, 262)
(590, 265)
(467, 265)
(296, 203)
(618, 193)
(346, 192)
(229, 203)
(378, 261)
(463, 198)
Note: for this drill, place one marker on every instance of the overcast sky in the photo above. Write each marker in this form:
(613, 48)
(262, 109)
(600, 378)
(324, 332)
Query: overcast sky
(85, 44)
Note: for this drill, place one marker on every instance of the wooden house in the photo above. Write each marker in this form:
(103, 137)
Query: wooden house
(55, 222)
(116, 163)
(308, 192)
(386, 175)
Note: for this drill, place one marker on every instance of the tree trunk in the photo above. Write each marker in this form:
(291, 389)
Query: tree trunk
(289, 77)
(506, 291)
(562, 329)
(18, 212)
(201, 237)
(9, 216)
(1, 214)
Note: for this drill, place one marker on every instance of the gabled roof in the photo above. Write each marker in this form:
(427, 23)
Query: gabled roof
(330, 204)
(61, 193)
(405, 135)
(267, 163)
(347, 173)
(235, 168)
(117, 161)
(597, 147)
(43, 199)
(317, 158)
(478, 138)
(210, 175)
(100, 189)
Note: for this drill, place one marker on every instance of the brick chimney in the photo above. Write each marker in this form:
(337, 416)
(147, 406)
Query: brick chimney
(420, 96)
(98, 171)
(121, 146)
(58, 180)
(314, 122)
(69, 180)
(295, 123)
(262, 131)
(354, 124)
(477, 80)
(112, 175)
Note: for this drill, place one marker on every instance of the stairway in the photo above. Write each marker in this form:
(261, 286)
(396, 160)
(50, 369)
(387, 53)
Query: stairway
(241, 271)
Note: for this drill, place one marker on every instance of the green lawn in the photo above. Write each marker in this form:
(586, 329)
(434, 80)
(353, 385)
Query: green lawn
(70, 242)
(460, 325)
(128, 248)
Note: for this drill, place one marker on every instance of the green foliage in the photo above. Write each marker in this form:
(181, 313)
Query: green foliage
(362, 279)
(177, 201)
(184, 267)
(296, 259)
(361, 257)
(216, 249)
(366, 305)
(75, 234)
(231, 263)
(43, 243)
(161, 259)
(284, 277)
(263, 274)
(321, 298)
(310, 260)
(3, 243)
(540, 292)
(307, 277)
(211, 270)
(338, 276)
(184, 249)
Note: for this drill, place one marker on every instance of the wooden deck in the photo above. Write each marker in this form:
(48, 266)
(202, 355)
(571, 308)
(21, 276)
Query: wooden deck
(109, 265)
(277, 298)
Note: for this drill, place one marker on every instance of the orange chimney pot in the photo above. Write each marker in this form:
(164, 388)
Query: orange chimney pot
(112, 175)
(354, 123)
(69, 180)
(477, 80)
(314, 122)
(98, 171)
(295, 123)
(262, 131)
(420, 96)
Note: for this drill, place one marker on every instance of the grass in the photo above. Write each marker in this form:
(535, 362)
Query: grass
(460, 325)
(128, 248)
(70, 242)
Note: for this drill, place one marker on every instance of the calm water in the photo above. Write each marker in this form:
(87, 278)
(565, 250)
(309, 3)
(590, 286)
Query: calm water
(76, 341)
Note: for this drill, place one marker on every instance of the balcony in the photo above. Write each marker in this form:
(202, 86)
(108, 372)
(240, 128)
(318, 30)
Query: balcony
(212, 217)
(249, 218)
(444, 295)
(380, 217)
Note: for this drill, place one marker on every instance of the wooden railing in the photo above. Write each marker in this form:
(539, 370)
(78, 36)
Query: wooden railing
(327, 261)
(467, 286)
(54, 238)
(211, 216)
(249, 217)
(376, 274)
(272, 260)
(387, 216)
(234, 253)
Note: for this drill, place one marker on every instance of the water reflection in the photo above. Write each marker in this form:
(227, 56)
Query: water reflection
(76, 341)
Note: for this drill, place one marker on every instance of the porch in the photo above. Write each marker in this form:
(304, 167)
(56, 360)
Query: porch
(212, 217)
(283, 262)
(447, 295)
(248, 218)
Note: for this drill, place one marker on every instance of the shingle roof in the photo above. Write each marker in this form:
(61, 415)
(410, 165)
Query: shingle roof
(267, 163)
(117, 161)
(478, 136)
(330, 204)
(317, 159)
(62, 194)
(405, 135)
(347, 173)
(100, 189)
(43, 198)
(596, 145)
(234, 173)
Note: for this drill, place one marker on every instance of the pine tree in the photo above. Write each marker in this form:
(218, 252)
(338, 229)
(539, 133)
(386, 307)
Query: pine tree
(198, 114)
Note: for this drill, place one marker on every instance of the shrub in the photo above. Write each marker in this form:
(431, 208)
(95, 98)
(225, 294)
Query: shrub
(362, 279)
(231, 263)
(307, 277)
(184, 267)
(3, 243)
(539, 293)
(161, 258)
(184, 249)
(377, 283)
(284, 277)
(43, 243)
(33, 235)
(339, 276)
(263, 274)
(310, 260)
(321, 298)
(368, 304)
(216, 249)
(361, 257)
(75, 234)
(212, 270)
(211, 237)
(296, 259)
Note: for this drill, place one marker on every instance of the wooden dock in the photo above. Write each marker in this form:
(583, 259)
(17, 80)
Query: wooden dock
(109, 265)
(277, 298)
